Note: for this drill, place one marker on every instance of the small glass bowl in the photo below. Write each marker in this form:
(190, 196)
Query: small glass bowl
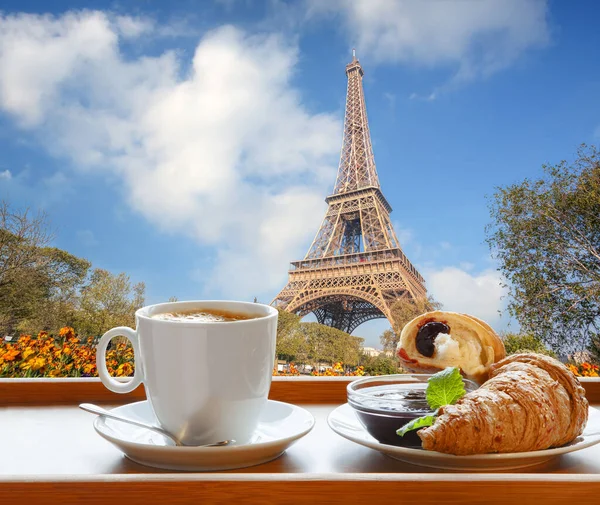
(385, 403)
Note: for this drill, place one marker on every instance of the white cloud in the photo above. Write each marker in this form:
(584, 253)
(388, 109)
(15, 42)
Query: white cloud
(223, 150)
(130, 27)
(425, 98)
(391, 99)
(227, 4)
(87, 238)
(6, 175)
(480, 294)
(404, 235)
(476, 38)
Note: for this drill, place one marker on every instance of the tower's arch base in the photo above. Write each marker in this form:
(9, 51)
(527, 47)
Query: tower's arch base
(342, 311)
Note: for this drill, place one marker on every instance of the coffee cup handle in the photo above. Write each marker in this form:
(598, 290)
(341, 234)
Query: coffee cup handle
(107, 380)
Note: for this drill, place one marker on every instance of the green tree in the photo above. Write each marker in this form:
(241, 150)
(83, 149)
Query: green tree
(106, 301)
(52, 296)
(21, 236)
(389, 340)
(291, 343)
(594, 349)
(403, 310)
(287, 323)
(329, 345)
(37, 282)
(314, 343)
(515, 342)
(347, 349)
(545, 233)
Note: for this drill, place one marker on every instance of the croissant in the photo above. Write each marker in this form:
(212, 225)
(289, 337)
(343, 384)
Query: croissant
(530, 402)
(436, 340)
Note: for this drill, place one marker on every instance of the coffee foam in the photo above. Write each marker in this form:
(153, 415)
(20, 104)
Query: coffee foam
(203, 316)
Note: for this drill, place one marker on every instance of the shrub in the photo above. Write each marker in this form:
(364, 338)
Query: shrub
(380, 365)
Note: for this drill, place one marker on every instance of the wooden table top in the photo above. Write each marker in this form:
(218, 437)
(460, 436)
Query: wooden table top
(60, 441)
(50, 453)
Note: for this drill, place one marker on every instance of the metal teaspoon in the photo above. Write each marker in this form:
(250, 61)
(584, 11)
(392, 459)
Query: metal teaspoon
(95, 409)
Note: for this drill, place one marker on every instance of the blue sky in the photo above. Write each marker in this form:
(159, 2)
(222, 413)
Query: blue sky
(192, 144)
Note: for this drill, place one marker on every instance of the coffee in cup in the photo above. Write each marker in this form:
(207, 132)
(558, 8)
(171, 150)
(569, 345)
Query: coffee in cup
(206, 366)
(204, 315)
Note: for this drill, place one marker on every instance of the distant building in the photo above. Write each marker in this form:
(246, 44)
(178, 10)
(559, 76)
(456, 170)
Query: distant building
(581, 357)
(371, 351)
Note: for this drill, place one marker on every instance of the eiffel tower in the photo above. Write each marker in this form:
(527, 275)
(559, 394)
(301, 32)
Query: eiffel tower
(355, 269)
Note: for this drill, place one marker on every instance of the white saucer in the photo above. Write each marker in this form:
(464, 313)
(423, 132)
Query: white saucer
(344, 421)
(280, 425)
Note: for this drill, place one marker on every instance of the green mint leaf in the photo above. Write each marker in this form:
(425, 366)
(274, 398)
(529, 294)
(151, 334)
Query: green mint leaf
(415, 424)
(445, 388)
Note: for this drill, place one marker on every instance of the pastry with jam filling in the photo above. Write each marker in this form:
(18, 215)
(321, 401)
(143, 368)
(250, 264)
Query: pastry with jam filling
(436, 340)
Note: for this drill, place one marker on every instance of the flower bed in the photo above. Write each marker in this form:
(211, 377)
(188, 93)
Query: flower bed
(69, 356)
(64, 356)
(337, 370)
(584, 369)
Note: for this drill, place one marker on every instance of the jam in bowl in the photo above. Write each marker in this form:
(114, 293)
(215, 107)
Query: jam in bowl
(385, 403)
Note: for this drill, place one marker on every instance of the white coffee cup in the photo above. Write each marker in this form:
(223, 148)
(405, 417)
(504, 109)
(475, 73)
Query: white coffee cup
(205, 381)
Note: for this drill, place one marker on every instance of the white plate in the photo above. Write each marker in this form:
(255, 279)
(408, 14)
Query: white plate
(280, 425)
(344, 421)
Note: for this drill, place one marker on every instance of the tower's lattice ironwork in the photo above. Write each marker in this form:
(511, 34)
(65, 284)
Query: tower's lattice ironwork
(354, 269)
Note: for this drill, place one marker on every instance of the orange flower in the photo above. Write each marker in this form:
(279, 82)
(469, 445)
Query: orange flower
(66, 332)
(11, 354)
(124, 370)
(24, 340)
(89, 368)
(28, 352)
(33, 364)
